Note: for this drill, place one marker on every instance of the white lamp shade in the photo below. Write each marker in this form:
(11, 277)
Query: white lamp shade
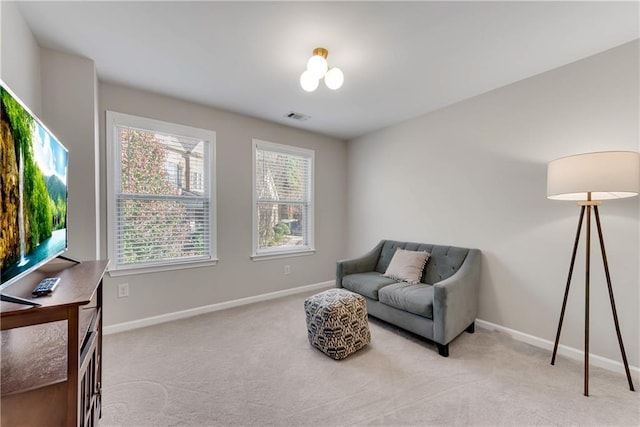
(317, 66)
(606, 175)
(308, 81)
(334, 78)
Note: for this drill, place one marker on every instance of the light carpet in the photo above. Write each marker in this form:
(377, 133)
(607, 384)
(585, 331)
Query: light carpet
(253, 366)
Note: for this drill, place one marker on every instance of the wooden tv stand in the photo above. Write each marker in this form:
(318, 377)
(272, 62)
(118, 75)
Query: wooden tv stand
(51, 364)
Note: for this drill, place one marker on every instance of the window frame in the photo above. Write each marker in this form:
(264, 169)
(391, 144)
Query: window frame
(113, 169)
(258, 254)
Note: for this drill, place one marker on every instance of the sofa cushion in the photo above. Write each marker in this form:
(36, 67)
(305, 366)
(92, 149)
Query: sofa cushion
(366, 284)
(443, 262)
(389, 248)
(407, 266)
(416, 299)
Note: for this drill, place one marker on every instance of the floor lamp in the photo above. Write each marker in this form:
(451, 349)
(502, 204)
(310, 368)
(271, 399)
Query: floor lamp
(589, 178)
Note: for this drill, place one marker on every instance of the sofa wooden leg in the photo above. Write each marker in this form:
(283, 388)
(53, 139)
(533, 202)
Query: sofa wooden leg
(471, 328)
(443, 349)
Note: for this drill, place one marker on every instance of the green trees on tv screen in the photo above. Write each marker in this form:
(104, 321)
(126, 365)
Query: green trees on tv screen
(42, 214)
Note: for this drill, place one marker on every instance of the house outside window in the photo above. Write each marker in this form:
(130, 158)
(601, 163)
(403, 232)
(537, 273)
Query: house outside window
(160, 195)
(282, 200)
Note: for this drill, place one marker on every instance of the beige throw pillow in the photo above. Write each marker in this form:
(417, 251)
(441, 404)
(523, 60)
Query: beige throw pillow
(407, 266)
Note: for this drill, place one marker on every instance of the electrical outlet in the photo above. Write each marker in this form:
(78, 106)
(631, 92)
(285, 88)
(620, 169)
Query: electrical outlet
(123, 290)
(287, 269)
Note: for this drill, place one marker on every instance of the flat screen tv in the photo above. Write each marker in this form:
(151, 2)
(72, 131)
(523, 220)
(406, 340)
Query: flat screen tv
(33, 191)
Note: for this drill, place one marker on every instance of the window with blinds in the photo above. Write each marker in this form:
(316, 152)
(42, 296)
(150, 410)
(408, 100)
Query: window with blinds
(283, 199)
(161, 199)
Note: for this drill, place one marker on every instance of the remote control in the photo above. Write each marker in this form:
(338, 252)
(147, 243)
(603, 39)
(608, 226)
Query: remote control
(46, 286)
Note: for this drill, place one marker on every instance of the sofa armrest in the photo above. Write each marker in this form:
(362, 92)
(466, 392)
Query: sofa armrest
(455, 300)
(363, 264)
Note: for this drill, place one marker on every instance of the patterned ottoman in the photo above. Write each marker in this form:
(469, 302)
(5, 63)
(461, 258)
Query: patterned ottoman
(337, 322)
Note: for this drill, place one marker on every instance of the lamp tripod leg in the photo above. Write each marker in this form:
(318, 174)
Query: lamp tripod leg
(587, 274)
(611, 298)
(566, 291)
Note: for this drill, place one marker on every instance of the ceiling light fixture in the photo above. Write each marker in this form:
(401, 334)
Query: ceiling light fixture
(317, 68)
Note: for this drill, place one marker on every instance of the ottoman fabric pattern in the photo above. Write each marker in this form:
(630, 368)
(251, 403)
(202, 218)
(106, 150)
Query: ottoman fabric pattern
(337, 322)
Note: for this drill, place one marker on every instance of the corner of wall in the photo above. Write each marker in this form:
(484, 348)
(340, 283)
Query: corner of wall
(70, 109)
(19, 57)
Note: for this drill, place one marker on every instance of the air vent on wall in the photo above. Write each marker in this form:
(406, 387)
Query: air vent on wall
(297, 116)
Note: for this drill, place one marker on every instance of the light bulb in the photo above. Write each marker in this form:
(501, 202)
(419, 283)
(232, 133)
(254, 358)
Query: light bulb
(308, 81)
(317, 66)
(334, 78)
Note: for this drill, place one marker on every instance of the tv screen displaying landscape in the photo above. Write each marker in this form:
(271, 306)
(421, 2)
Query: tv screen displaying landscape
(33, 191)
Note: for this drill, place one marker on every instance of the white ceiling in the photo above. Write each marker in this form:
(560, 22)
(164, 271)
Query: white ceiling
(400, 59)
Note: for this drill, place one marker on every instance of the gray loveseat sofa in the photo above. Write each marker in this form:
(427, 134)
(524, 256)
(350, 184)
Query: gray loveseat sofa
(439, 308)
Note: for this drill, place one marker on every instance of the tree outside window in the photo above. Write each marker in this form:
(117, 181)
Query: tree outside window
(162, 204)
(283, 198)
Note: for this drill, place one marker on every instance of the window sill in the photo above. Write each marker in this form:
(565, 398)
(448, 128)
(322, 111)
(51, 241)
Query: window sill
(277, 255)
(165, 267)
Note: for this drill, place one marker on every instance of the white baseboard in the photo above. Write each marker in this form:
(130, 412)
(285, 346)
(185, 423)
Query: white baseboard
(149, 321)
(570, 352)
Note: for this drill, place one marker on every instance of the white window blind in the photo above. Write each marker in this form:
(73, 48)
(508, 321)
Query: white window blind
(161, 193)
(283, 199)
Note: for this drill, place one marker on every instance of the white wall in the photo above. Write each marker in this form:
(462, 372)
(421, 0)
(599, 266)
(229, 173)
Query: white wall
(69, 100)
(236, 275)
(61, 90)
(19, 57)
(474, 175)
